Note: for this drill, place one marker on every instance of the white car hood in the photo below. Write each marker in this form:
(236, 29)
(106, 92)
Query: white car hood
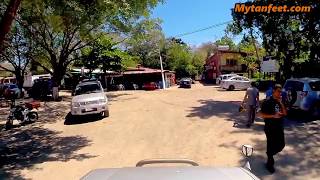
(89, 97)
(174, 173)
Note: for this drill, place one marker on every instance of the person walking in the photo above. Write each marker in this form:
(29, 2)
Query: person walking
(273, 111)
(251, 99)
(269, 91)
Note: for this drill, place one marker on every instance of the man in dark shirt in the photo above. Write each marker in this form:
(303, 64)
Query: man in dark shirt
(273, 111)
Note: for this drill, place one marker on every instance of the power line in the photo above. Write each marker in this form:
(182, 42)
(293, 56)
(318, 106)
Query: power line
(203, 29)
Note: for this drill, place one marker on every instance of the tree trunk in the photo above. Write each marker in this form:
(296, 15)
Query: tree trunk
(20, 79)
(8, 17)
(58, 74)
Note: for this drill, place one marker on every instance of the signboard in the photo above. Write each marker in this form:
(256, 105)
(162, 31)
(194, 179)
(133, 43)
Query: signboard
(223, 48)
(270, 66)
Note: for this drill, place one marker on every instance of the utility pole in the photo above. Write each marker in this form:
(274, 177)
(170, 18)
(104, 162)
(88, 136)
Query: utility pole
(256, 49)
(162, 73)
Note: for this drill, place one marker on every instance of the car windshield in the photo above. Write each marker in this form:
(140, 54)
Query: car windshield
(294, 85)
(87, 89)
(13, 86)
(315, 86)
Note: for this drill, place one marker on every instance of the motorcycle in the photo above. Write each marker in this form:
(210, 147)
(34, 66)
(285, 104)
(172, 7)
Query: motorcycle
(24, 114)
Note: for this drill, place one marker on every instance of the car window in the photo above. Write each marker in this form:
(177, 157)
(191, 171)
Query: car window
(294, 85)
(245, 79)
(13, 86)
(315, 86)
(88, 88)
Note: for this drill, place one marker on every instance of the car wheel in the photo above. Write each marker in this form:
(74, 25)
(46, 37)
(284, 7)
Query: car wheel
(231, 88)
(32, 116)
(105, 113)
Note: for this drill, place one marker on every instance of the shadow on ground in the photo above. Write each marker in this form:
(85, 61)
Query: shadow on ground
(74, 120)
(222, 109)
(26, 147)
(53, 112)
(207, 84)
(224, 90)
(299, 159)
(115, 96)
(301, 155)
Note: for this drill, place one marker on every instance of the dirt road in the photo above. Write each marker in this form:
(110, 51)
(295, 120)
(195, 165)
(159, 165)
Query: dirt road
(197, 123)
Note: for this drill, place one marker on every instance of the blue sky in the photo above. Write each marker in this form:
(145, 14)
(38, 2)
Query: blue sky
(181, 16)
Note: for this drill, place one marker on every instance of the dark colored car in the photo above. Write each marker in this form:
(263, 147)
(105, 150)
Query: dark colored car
(41, 88)
(185, 83)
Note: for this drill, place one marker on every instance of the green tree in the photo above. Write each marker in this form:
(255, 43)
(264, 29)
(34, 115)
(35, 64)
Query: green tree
(179, 59)
(206, 49)
(225, 40)
(62, 28)
(286, 36)
(104, 54)
(145, 42)
(198, 61)
(7, 19)
(251, 60)
(18, 53)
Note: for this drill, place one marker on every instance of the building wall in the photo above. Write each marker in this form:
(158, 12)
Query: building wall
(222, 62)
(229, 56)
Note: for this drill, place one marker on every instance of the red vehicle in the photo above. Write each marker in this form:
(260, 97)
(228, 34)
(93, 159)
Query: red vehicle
(150, 86)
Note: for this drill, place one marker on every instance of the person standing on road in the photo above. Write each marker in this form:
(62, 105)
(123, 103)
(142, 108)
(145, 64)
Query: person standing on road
(269, 91)
(252, 100)
(273, 111)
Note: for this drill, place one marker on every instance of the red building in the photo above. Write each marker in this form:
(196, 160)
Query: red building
(224, 62)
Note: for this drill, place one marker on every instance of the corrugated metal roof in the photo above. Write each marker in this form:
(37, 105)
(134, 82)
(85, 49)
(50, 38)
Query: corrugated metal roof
(143, 70)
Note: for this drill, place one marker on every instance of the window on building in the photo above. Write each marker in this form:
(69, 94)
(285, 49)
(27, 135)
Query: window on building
(231, 62)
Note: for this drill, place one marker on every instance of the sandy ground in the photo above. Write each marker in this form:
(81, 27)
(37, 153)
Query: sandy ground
(202, 124)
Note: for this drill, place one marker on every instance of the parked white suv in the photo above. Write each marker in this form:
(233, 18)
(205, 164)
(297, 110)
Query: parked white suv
(89, 98)
(304, 94)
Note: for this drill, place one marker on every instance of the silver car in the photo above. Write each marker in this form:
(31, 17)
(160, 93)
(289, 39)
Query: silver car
(89, 98)
(236, 82)
(224, 77)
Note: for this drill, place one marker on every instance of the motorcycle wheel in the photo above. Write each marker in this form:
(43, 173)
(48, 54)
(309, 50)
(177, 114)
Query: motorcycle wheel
(32, 116)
